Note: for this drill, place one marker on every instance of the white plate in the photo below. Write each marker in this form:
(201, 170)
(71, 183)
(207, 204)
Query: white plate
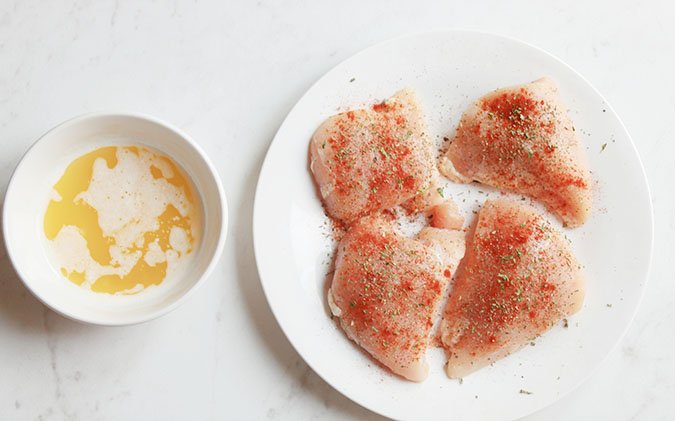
(449, 69)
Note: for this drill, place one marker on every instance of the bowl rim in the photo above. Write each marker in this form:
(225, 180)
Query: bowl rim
(163, 310)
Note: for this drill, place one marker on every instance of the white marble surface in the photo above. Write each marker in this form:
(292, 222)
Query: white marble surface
(227, 73)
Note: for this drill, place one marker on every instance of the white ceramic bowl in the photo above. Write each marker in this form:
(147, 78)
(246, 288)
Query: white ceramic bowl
(29, 191)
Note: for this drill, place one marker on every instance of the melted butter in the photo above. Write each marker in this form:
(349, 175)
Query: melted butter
(75, 276)
(133, 208)
(68, 211)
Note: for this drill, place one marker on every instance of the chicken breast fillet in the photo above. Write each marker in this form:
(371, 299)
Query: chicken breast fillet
(521, 139)
(387, 288)
(372, 159)
(517, 279)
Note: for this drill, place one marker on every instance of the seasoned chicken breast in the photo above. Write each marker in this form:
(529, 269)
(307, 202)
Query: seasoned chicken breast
(521, 139)
(387, 288)
(446, 215)
(427, 198)
(517, 279)
(372, 159)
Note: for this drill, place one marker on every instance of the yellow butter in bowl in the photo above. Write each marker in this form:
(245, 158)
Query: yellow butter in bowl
(121, 219)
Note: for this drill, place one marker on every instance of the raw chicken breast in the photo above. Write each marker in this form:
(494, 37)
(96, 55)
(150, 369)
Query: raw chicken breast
(517, 279)
(448, 245)
(522, 140)
(372, 159)
(386, 290)
(446, 215)
(428, 198)
(447, 241)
